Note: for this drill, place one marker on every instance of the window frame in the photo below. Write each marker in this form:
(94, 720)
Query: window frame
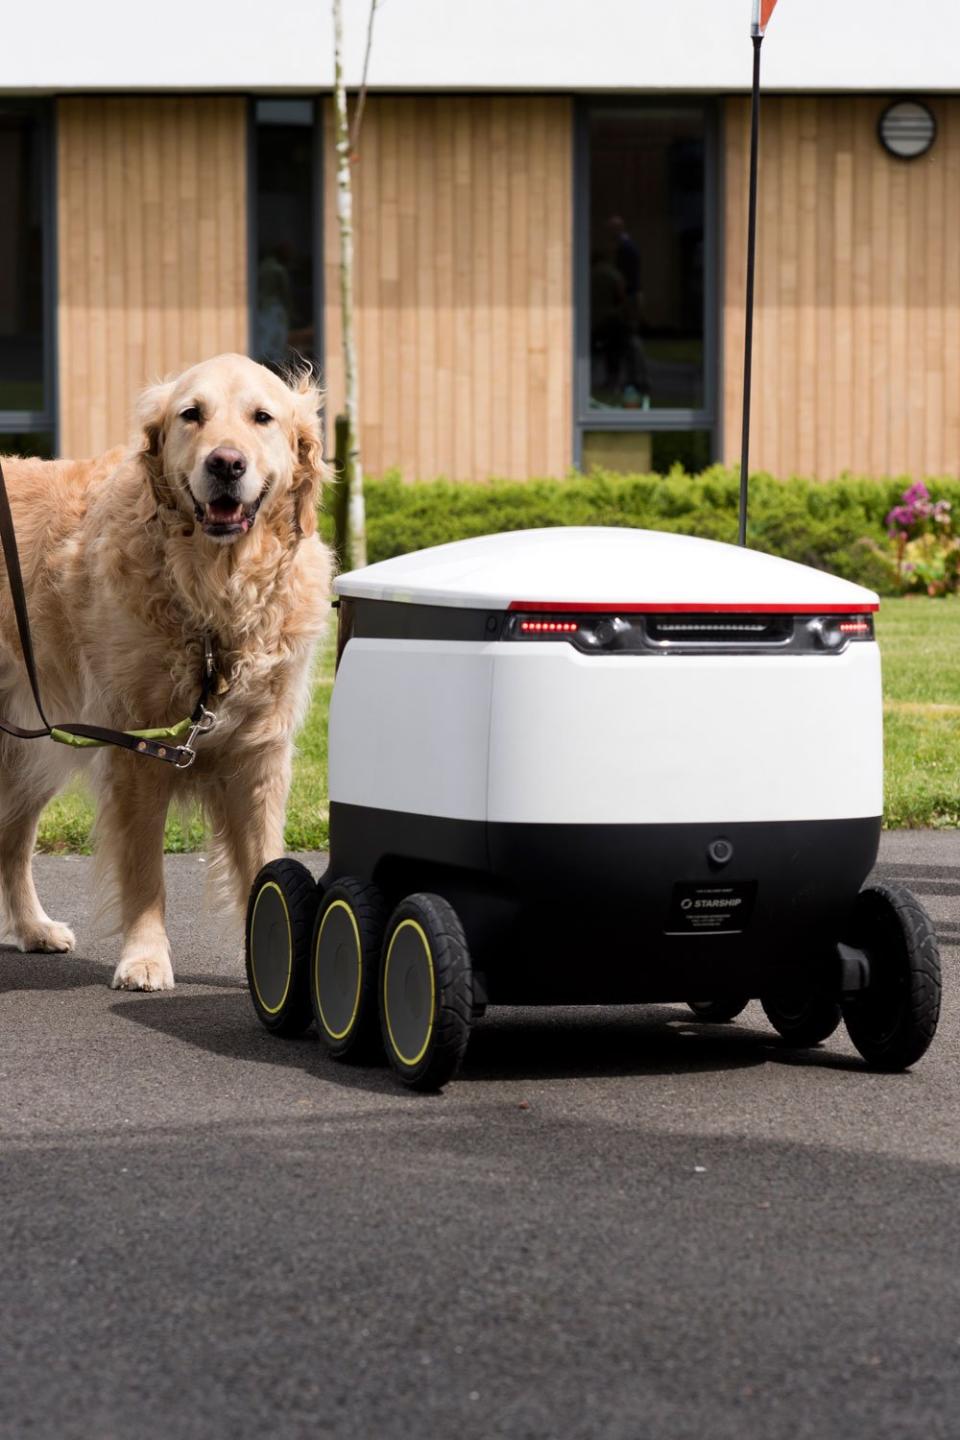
(707, 417)
(253, 237)
(13, 422)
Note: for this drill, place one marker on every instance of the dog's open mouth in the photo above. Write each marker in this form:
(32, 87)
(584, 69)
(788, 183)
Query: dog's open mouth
(225, 516)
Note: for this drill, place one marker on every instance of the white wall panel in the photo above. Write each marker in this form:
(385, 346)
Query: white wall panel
(503, 44)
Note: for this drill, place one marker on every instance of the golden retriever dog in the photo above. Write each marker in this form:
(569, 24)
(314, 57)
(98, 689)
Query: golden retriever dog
(205, 526)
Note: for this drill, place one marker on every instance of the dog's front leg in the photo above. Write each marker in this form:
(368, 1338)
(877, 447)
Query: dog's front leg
(248, 812)
(134, 800)
(31, 927)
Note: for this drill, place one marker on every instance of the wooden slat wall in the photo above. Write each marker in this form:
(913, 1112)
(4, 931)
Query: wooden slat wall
(464, 226)
(857, 331)
(152, 251)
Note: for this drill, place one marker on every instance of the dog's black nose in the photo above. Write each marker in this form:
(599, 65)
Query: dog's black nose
(225, 463)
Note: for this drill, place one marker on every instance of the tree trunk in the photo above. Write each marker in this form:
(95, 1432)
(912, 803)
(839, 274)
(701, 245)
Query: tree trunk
(341, 493)
(353, 470)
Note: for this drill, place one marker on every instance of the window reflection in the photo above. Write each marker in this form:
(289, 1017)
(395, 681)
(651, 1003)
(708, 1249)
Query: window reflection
(22, 173)
(38, 443)
(646, 294)
(285, 208)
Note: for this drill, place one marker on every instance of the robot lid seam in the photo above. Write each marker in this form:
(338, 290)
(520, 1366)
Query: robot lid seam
(649, 607)
(488, 603)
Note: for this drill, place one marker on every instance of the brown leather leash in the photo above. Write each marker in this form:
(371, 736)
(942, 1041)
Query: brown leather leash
(156, 744)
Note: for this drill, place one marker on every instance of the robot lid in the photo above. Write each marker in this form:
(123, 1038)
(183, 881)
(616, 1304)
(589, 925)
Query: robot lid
(602, 569)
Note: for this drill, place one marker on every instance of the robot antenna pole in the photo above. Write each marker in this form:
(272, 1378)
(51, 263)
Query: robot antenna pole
(751, 269)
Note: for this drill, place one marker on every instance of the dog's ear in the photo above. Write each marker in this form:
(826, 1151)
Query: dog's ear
(151, 416)
(152, 407)
(310, 470)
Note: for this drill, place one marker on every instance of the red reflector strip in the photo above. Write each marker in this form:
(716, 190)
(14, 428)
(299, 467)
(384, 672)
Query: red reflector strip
(701, 608)
(854, 627)
(548, 627)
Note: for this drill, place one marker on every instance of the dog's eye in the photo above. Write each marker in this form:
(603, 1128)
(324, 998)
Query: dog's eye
(191, 415)
(261, 417)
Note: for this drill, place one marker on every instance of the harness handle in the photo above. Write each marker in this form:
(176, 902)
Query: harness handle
(152, 743)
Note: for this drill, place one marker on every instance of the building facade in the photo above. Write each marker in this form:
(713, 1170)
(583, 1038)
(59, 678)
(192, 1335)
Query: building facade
(550, 216)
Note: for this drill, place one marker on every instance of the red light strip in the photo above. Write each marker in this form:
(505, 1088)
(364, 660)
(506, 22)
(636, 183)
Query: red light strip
(560, 607)
(552, 627)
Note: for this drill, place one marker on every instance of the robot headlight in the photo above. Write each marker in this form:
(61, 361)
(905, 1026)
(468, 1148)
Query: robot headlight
(586, 632)
(679, 633)
(834, 632)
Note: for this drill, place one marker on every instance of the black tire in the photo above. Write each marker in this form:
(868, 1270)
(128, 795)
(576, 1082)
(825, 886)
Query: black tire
(426, 992)
(893, 1020)
(344, 968)
(280, 913)
(719, 1012)
(800, 1016)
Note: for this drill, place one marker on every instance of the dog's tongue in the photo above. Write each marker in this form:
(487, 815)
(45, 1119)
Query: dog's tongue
(224, 511)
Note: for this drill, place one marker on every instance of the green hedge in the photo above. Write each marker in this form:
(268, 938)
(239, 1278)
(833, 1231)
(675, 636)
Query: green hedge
(834, 525)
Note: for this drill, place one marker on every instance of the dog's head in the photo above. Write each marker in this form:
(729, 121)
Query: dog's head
(228, 441)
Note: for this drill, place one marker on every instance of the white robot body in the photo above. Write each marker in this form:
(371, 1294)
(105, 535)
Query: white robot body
(488, 729)
(542, 733)
(687, 732)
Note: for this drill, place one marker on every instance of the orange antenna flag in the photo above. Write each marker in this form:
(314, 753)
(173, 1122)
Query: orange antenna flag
(762, 10)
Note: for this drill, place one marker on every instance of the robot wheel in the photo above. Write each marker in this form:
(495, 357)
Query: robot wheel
(344, 966)
(719, 1012)
(802, 1016)
(280, 914)
(894, 1019)
(426, 992)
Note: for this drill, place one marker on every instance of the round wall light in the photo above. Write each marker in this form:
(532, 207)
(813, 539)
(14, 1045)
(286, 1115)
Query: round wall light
(907, 129)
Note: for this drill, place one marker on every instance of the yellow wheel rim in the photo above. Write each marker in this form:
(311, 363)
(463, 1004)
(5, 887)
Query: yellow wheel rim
(410, 1060)
(271, 1009)
(324, 1020)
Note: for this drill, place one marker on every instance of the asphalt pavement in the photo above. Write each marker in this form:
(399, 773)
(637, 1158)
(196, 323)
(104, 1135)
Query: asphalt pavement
(614, 1225)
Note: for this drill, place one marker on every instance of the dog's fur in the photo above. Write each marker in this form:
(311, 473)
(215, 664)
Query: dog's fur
(126, 567)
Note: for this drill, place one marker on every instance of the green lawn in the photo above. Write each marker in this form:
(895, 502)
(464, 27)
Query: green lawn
(920, 641)
(920, 644)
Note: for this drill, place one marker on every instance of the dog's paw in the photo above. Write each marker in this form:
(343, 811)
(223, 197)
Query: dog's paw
(48, 936)
(143, 972)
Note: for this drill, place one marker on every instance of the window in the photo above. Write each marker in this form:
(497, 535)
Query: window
(26, 285)
(646, 241)
(285, 244)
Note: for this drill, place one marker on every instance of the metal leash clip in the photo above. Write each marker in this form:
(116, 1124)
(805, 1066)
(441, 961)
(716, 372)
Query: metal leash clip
(203, 726)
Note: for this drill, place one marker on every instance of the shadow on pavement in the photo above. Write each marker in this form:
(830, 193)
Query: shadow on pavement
(509, 1045)
(40, 971)
(226, 1025)
(649, 1041)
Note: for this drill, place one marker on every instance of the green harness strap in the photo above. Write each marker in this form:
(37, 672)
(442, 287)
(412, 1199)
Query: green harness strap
(163, 732)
